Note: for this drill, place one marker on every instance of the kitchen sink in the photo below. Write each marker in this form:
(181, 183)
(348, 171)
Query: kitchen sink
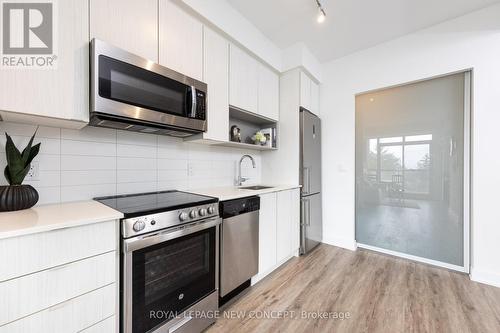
(255, 187)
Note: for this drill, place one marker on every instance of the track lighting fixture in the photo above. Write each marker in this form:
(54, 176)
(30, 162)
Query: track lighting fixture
(322, 13)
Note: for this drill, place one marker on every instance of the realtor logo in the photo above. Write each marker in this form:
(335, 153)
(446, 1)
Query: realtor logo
(28, 38)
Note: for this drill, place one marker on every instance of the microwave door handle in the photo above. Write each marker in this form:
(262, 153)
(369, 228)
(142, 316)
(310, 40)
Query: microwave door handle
(193, 102)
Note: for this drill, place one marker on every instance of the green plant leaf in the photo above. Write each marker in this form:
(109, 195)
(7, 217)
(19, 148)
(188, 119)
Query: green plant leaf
(15, 162)
(27, 149)
(7, 174)
(18, 178)
(33, 152)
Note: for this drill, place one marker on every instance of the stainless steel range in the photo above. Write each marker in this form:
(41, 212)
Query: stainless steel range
(169, 261)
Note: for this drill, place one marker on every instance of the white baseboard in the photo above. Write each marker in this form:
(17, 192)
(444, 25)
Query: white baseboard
(346, 243)
(262, 275)
(489, 278)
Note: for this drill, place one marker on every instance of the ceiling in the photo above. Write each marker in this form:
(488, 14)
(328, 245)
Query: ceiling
(350, 25)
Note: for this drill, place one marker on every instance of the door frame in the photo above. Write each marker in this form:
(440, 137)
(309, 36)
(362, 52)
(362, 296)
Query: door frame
(467, 185)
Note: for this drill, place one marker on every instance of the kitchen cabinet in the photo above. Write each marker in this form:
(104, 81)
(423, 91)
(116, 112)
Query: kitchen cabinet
(309, 93)
(243, 80)
(283, 225)
(269, 93)
(49, 279)
(61, 93)
(295, 209)
(216, 75)
(181, 40)
(288, 224)
(315, 98)
(305, 91)
(129, 24)
(278, 229)
(267, 233)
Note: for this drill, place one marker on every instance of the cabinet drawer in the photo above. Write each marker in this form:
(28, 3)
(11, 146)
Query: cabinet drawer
(71, 316)
(108, 325)
(35, 292)
(32, 253)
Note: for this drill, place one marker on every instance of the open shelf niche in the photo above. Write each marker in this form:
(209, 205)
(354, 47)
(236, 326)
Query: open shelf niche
(249, 123)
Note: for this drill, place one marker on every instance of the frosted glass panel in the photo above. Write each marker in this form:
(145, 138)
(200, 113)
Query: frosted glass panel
(410, 169)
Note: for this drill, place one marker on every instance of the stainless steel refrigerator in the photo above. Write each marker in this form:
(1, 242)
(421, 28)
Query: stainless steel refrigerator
(311, 228)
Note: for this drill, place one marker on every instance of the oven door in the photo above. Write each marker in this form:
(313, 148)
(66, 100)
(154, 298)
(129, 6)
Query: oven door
(167, 273)
(126, 86)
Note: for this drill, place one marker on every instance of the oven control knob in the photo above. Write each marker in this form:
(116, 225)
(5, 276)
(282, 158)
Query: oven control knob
(139, 225)
(193, 214)
(183, 216)
(211, 210)
(202, 212)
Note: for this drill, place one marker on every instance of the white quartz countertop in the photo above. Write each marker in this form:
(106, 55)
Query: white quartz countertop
(55, 216)
(233, 192)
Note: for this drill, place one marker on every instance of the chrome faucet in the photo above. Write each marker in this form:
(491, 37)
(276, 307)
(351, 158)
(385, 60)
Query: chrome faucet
(240, 180)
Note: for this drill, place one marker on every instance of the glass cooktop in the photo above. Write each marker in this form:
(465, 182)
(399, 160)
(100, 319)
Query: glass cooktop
(133, 205)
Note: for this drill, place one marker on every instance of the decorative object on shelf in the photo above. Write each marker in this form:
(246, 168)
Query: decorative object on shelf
(259, 138)
(270, 134)
(235, 133)
(17, 196)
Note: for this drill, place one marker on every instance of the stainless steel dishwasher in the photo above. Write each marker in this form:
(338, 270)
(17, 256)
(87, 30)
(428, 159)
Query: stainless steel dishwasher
(239, 241)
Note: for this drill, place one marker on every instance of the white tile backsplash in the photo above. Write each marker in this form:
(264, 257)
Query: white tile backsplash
(83, 164)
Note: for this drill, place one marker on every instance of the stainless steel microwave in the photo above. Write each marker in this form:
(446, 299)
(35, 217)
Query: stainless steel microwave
(131, 93)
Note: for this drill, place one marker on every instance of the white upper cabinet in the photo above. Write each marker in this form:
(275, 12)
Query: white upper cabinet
(129, 24)
(181, 40)
(243, 80)
(269, 93)
(305, 91)
(62, 92)
(216, 75)
(314, 98)
(309, 93)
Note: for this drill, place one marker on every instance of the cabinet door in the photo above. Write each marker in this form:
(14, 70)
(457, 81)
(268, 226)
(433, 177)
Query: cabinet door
(305, 91)
(62, 92)
(181, 40)
(216, 74)
(243, 80)
(267, 233)
(269, 93)
(284, 225)
(314, 98)
(129, 24)
(295, 209)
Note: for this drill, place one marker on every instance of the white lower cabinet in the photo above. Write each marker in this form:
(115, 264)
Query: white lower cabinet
(278, 230)
(283, 225)
(105, 326)
(64, 286)
(267, 233)
(74, 315)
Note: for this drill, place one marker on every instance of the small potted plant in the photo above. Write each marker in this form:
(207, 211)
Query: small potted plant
(16, 196)
(259, 138)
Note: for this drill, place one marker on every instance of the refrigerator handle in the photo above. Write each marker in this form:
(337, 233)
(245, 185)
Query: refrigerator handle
(308, 212)
(307, 181)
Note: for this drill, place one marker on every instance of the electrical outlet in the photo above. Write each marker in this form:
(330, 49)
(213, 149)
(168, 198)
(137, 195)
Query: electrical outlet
(34, 172)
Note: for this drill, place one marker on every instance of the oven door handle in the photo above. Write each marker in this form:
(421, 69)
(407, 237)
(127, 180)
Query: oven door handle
(140, 242)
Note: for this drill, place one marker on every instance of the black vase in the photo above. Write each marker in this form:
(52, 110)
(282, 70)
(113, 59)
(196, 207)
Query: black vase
(17, 197)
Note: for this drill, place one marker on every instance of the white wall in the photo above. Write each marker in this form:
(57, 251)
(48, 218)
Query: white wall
(83, 164)
(471, 41)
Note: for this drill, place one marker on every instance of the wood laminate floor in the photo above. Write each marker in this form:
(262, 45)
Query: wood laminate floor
(380, 293)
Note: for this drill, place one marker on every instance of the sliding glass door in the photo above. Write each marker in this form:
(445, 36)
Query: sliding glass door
(412, 169)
